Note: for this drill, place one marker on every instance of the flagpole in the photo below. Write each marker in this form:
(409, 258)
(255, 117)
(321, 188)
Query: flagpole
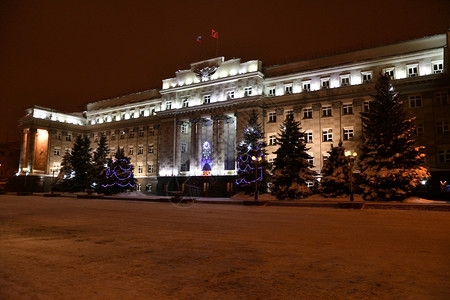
(217, 47)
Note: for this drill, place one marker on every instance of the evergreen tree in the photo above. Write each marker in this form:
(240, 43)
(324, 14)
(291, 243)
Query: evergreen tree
(335, 173)
(76, 167)
(100, 159)
(292, 170)
(252, 146)
(390, 163)
(119, 175)
(80, 161)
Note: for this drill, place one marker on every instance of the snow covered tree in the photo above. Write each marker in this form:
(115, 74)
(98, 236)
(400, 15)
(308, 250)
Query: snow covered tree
(119, 175)
(292, 169)
(252, 146)
(76, 167)
(390, 162)
(335, 173)
(100, 159)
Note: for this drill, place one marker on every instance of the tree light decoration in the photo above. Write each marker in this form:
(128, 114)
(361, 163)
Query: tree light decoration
(118, 175)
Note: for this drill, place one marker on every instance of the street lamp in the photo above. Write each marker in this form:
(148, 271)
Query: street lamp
(256, 160)
(351, 160)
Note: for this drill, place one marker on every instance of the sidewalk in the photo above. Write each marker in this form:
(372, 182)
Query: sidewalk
(266, 200)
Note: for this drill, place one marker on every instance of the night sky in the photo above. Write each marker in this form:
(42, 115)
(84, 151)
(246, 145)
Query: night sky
(65, 54)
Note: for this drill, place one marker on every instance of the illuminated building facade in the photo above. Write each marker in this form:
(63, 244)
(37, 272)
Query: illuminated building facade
(185, 134)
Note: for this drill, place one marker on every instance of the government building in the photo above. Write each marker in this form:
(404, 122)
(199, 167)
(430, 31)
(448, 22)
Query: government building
(184, 135)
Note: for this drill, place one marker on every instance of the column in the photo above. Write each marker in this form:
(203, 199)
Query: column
(23, 150)
(30, 150)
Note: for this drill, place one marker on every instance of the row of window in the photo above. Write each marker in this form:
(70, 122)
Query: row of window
(366, 77)
(148, 187)
(117, 116)
(327, 135)
(206, 99)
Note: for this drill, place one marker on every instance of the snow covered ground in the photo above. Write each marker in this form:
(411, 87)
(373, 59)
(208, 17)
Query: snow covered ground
(68, 248)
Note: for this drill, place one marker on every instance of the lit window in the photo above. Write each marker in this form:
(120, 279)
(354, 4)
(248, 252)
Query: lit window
(183, 148)
(140, 169)
(345, 80)
(325, 83)
(168, 105)
(141, 150)
(288, 89)
(444, 156)
(438, 67)
(366, 77)
(306, 86)
(347, 108)
(389, 72)
(326, 111)
(272, 91)
(308, 137)
(348, 134)
(272, 117)
(307, 113)
(150, 169)
(272, 140)
(186, 102)
(230, 95)
(206, 99)
(150, 149)
(130, 150)
(68, 137)
(247, 91)
(413, 70)
(289, 113)
(327, 135)
(184, 128)
(57, 151)
(415, 101)
(442, 127)
(442, 98)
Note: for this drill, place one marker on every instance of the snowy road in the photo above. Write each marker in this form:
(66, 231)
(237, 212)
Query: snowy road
(65, 248)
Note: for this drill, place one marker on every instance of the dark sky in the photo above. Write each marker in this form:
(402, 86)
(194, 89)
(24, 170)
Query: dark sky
(65, 54)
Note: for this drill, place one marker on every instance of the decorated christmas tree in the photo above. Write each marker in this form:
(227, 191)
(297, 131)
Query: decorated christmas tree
(390, 162)
(335, 173)
(119, 175)
(292, 169)
(252, 165)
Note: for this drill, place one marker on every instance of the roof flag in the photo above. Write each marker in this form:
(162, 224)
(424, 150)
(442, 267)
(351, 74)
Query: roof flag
(214, 34)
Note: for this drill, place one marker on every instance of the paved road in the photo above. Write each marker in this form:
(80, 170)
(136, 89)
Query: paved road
(65, 248)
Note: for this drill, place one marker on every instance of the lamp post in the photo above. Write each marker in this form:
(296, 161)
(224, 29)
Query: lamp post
(256, 160)
(351, 160)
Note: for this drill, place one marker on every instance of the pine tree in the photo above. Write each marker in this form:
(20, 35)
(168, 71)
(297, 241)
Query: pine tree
(252, 146)
(292, 170)
(335, 173)
(390, 163)
(76, 167)
(100, 159)
(80, 160)
(119, 175)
